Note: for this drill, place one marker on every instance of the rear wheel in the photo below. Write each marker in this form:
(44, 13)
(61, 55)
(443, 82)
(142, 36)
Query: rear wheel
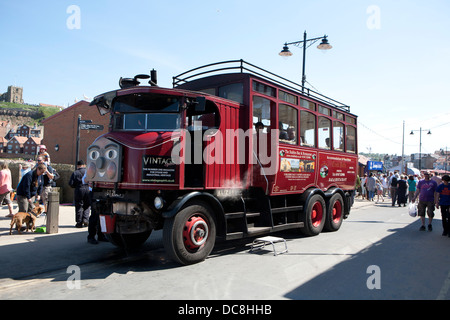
(190, 235)
(335, 213)
(314, 216)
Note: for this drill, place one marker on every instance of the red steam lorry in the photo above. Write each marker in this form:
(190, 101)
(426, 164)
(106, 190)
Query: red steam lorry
(232, 151)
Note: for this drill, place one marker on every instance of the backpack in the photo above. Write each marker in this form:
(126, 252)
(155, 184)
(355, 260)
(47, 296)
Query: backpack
(394, 182)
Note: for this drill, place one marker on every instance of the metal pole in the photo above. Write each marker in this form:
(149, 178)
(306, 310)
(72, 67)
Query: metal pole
(78, 139)
(403, 149)
(420, 149)
(304, 62)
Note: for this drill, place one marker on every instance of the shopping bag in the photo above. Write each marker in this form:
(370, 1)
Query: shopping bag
(412, 209)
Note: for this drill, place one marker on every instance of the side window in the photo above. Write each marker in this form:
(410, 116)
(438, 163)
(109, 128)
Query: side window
(261, 114)
(307, 129)
(338, 136)
(208, 119)
(324, 133)
(351, 139)
(287, 124)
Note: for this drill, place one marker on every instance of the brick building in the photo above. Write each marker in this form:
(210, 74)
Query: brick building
(31, 146)
(61, 132)
(15, 145)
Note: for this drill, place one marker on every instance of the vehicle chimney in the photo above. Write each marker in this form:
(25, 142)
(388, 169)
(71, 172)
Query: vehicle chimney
(153, 78)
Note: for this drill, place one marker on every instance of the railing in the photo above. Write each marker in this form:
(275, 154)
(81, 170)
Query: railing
(243, 66)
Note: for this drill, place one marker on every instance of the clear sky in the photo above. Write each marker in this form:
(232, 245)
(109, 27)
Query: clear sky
(389, 62)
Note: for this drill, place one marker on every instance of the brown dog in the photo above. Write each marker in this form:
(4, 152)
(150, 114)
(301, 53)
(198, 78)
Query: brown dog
(28, 218)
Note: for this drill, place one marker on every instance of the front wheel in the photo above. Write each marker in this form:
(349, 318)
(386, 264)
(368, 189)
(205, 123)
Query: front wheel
(190, 235)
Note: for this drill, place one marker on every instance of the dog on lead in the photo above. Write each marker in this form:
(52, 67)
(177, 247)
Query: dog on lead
(29, 218)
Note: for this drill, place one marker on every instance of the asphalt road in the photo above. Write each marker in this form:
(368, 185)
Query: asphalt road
(379, 253)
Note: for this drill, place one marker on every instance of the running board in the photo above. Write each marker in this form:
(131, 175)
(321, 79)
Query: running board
(256, 231)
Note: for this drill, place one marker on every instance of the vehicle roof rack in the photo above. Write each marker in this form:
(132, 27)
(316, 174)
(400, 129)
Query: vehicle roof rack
(245, 67)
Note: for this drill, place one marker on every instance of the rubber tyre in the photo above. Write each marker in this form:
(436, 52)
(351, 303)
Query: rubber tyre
(335, 213)
(190, 236)
(313, 216)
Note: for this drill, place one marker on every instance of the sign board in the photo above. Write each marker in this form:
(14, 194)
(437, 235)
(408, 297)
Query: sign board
(374, 165)
(85, 121)
(84, 126)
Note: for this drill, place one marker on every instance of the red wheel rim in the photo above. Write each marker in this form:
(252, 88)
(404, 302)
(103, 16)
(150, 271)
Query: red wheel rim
(316, 214)
(195, 232)
(337, 212)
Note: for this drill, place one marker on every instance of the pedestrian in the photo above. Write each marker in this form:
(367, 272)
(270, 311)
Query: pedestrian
(371, 186)
(43, 152)
(81, 195)
(6, 186)
(380, 191)
(436, 178)
(357, 186)
(411, 188)
(47, 182)
(425, 190)
(363, 186)
(393, 184)
(402, 189)
(384, 183)
(94, 222)
(443, 200)
(30, 187)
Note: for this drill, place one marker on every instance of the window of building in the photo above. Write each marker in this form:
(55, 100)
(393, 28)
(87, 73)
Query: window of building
(287, 124)
(338, 136)
(307, 129)
(324, 133)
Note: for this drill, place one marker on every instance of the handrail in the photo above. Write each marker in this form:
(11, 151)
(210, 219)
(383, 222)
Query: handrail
(242, 66)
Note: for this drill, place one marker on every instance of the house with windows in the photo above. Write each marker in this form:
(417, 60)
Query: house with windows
(16, 144)
(31, 146)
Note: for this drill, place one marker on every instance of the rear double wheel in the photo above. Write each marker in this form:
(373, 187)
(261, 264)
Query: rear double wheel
(190, 235)
(313, 217)
(335, 213)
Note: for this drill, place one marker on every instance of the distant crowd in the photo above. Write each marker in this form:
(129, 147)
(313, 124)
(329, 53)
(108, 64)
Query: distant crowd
(427, 191)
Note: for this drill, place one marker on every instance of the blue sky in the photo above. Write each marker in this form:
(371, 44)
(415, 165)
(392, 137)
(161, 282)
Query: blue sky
(389, 62)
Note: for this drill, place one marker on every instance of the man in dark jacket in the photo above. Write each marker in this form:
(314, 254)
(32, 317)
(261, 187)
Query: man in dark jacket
(81, 195)
(30, 187)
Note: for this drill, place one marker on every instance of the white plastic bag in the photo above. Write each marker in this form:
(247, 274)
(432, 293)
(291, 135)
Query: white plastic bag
(412, 209)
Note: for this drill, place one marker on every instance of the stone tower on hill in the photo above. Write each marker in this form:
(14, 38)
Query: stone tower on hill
(14, 95)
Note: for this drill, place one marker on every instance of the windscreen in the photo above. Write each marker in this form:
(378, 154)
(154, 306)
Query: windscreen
(146, 112)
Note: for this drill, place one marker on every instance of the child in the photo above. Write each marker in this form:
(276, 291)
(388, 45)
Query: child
(379, 187)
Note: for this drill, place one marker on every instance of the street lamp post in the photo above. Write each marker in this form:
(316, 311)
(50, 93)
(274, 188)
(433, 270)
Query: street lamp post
(324, 45)
(420, 144)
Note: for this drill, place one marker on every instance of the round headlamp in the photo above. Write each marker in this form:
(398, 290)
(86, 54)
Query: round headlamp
(158, 203)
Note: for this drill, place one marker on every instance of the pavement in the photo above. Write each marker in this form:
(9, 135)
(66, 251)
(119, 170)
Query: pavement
(29, 254)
